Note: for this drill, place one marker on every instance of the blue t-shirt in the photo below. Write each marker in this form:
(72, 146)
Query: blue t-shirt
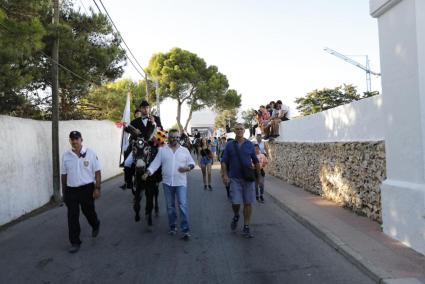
(230, 157)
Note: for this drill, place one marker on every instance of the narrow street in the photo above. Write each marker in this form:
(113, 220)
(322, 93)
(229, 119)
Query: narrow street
(283, 251)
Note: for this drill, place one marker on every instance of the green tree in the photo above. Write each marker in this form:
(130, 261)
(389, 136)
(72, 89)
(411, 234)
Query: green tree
(320, 100)
(223, 118)
(248, 116)
(108, 101)
(87, 46)
(21, 36)
(186, 78)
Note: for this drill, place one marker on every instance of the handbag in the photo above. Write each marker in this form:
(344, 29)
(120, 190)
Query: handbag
(248, 173)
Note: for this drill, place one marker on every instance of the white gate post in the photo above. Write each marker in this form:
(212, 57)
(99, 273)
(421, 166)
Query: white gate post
(402, 48)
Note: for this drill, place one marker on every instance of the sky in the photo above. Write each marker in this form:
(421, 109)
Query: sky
(269, 49)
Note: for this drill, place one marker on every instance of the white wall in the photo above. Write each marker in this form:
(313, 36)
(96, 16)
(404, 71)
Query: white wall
(358, 121)
(26, 165)
(402, 48)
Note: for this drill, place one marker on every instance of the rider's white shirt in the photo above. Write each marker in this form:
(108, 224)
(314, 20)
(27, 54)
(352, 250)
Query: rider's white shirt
(80, 170)
(171, 162)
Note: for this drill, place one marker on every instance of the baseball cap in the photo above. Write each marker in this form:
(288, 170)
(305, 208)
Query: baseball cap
(144, 103)
(74, 134)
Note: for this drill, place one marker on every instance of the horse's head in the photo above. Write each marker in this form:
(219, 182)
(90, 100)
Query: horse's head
(142, 153)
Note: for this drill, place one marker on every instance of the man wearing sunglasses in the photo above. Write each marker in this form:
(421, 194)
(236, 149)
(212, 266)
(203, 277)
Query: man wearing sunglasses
(176, 161)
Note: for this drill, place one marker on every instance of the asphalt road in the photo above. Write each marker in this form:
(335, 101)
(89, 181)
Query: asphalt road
(282, 251)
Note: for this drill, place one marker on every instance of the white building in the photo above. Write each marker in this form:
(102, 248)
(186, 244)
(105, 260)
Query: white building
(203, 120)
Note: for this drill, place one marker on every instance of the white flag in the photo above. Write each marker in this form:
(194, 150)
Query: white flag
(126, 119)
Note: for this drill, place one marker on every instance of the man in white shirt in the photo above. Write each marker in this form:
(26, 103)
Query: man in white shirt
(176, 161)
(81, 177)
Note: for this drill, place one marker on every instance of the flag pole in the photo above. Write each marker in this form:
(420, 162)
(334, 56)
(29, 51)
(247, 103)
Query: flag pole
(122, 138)
(125, 119)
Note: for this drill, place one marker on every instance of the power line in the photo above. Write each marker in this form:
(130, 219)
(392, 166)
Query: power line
(69, 70)
(119, 34)
(82, 4)
(121, 37)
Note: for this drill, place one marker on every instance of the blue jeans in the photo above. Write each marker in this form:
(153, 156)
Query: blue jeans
(170, 193)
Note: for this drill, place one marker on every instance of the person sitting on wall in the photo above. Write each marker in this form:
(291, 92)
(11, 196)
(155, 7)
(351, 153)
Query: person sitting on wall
(265, 121)
(280, 115)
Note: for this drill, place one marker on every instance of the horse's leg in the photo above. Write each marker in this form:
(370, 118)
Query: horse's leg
(149, 202)
(156, 193)
(137, 197)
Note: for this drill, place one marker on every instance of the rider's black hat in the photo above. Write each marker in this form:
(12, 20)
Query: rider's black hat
(144, 103)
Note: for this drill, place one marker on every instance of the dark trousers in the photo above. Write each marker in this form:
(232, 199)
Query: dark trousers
(76, 197)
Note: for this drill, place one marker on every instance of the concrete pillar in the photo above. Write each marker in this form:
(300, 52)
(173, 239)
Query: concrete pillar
(402, 48)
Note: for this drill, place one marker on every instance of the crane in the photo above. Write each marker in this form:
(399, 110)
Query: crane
(355, 63)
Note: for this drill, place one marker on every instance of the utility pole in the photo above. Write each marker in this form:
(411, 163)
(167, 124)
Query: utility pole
(147, 85)
(157, 98)
(55, 104)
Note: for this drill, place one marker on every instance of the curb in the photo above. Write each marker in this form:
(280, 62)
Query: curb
(374, 272)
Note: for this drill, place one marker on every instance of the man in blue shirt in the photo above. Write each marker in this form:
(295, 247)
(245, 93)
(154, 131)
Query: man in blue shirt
(238, 154)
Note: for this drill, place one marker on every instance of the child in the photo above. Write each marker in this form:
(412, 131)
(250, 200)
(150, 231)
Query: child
(259, 184)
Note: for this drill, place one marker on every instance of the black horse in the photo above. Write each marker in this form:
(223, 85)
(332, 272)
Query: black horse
(144, 153)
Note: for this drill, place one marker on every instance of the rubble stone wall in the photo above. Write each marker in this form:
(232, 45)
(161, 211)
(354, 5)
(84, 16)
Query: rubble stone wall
(348, 173)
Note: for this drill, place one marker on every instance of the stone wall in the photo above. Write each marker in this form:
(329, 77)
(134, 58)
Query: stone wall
(348, 173)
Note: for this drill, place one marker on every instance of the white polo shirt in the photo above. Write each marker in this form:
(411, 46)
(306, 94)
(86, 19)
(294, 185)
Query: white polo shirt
(171, 162)
(80, 170)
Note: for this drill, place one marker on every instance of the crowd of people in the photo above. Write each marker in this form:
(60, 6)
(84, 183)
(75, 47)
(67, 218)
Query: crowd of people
(241, 160)
(267, 119)
(212, 149)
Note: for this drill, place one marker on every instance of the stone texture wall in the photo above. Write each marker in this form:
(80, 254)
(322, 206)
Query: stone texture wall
(348, 173)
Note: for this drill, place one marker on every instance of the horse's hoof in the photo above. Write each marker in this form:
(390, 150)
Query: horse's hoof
(137, 218)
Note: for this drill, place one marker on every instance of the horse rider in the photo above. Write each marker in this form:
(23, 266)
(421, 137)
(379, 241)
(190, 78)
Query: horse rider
(145, 125)
(127, 151)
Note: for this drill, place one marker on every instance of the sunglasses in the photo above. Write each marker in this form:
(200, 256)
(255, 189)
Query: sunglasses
(172, 137)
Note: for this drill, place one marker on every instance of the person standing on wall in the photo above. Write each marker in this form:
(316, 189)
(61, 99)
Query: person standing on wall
(81, 178)
(176, 161)
(238, 157)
